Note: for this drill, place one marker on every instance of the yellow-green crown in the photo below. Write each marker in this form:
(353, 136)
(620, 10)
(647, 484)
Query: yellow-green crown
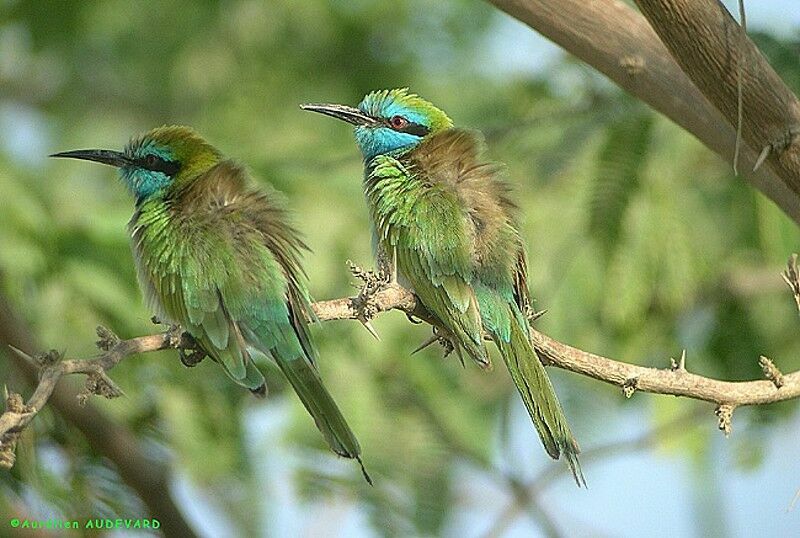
(400, 102)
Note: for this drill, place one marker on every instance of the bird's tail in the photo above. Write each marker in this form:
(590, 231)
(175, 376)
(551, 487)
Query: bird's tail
(254, 380)
(540, 398)
(239, 365)
(305, 380)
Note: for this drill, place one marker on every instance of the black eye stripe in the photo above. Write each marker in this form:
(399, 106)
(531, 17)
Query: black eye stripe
(416, 129)
(157, 164)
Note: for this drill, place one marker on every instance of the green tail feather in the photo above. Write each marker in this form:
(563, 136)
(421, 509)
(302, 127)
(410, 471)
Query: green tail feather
(234, 362)
(254, 380)
(540, 399)
(305, 380)
(476, 350)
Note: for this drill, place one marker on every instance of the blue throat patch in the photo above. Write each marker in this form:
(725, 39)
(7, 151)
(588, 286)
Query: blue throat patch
(374, 141)
(141, 182)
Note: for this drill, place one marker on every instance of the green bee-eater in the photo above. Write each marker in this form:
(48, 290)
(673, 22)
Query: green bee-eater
(221, 259)
(444, 217)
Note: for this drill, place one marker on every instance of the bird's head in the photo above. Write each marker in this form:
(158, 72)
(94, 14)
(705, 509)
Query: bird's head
(388, 121)
(156, 162)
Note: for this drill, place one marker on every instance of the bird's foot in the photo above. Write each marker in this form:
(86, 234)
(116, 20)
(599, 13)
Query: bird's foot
(373, 281)
(532, 314)
(442, 340)
(189, 351)
(192, 358)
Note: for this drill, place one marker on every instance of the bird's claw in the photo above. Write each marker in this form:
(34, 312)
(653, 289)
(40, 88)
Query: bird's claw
(191, 358)
(413, 319)
(189, 351)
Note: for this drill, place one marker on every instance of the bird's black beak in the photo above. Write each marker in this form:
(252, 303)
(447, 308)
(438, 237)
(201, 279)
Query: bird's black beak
(105, 156)
(342, 112)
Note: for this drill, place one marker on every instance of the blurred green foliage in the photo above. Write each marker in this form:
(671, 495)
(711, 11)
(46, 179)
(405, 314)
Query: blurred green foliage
(641, 243)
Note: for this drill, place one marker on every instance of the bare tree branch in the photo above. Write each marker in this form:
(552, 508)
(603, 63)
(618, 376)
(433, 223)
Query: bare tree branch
(148, 477)
(51, 368)
(710, 46)
(379, 296)
(618, 41)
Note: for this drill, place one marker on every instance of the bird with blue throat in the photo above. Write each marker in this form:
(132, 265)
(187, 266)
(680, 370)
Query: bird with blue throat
(222, 259)
(445, 219)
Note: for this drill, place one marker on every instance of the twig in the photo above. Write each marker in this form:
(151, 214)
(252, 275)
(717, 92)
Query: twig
(792, 278)
(678, 382)
(52, 366)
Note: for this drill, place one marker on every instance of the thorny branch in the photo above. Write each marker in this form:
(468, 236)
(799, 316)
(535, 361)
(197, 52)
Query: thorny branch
(675, 379)
(52, 366)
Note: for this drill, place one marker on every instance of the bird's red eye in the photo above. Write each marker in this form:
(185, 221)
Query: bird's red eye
(398, 122)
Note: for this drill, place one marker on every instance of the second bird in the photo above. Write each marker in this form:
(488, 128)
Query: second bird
(445, 219)
(222, 259)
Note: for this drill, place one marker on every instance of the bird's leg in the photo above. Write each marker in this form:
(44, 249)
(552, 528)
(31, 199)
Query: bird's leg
(387, 265)
(383, 276)
(373, 282)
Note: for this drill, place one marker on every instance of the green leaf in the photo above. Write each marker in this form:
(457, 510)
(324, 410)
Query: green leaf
(618, 176)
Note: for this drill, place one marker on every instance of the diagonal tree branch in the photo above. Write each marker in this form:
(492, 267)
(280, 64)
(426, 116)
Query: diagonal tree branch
(712, 49)
(619, 42)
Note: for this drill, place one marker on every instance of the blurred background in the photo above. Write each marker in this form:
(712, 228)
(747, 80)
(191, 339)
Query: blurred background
(641, 243)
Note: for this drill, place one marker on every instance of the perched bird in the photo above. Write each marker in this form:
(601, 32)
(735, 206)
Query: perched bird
(221, 259)
(444, 218)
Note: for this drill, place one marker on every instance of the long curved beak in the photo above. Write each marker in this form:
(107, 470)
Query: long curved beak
(105, 156)
(342, 112)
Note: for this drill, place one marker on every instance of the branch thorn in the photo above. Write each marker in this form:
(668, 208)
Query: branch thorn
(370, 329)
(771, 371)
(680, 365)
(21, 354)
(432, 340)
(762, 157)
